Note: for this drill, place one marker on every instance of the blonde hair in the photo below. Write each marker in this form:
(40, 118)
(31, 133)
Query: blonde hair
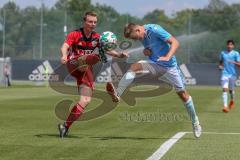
(129, 29)
(90, 13)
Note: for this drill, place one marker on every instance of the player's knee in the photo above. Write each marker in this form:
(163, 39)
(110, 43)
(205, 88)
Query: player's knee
(85, 100)
(185, 98)
(183, 95)
(225, 89)
(92, 59)
(136, 67)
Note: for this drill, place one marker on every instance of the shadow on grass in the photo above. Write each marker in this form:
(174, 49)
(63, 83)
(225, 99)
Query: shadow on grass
(133, 138)
(104, 138)
(56, 136)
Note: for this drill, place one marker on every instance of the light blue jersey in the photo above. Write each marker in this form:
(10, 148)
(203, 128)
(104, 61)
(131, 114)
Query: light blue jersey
(155, 39)
(226, 57)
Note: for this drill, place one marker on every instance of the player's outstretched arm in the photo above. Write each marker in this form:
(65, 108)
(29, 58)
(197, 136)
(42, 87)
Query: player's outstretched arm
(64, 51)
(174, 46)
(234, 62)
(114, 53)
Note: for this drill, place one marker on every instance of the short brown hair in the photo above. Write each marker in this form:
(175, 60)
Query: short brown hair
(89, 13)
(129, 29)
(230, 41)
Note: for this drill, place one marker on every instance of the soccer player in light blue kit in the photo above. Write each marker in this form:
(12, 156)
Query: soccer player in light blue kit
(228, 61)
(160, 47)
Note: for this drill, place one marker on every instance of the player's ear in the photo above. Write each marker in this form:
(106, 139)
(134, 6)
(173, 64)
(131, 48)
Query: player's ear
(137, 30)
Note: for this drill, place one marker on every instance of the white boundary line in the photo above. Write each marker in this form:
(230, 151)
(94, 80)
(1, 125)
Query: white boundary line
(220, 133)
(163, 149)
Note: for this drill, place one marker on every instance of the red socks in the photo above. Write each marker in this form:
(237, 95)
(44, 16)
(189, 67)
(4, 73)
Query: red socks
(76, 111)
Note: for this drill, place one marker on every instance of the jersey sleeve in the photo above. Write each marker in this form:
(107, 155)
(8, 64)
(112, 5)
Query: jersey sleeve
(71, 38)
(237, 57)
(161, 33)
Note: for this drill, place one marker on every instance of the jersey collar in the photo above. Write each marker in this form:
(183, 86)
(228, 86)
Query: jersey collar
(85, 37)
(147, 33)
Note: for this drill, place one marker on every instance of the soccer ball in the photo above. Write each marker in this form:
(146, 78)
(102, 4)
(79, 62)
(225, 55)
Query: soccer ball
(108, 40)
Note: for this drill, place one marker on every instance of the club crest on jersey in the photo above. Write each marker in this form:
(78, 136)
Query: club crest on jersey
(88, 51)
(94, 43)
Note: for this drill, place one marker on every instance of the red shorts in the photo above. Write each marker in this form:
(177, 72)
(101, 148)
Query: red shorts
(83, 76)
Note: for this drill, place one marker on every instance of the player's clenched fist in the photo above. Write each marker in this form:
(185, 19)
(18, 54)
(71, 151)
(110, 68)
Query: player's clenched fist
(147, 52)
(64, 59)
(124, 54)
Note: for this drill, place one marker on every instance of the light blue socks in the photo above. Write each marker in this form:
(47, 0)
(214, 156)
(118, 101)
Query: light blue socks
(225, 99)
(191, 110)
(126, 80)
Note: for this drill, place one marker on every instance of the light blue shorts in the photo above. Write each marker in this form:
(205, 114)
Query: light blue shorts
(171, 75)
(228, 82)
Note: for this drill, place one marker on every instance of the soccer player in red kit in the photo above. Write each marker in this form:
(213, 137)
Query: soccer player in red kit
(78, 54)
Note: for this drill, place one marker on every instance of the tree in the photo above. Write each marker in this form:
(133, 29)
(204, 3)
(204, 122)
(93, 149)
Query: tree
(216, 5)
(75, 8)
(13, 21)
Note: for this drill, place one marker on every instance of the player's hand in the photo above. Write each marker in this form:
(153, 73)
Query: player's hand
(220, 67)
(233, 62)
(147, 52)
(124, 54)
(64, 59)
(163, 58)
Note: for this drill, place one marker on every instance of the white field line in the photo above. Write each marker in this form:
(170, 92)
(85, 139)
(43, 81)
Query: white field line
(162, 150)
(220, 133)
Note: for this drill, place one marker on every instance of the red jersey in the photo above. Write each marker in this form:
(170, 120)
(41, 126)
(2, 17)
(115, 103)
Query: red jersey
(80, 44)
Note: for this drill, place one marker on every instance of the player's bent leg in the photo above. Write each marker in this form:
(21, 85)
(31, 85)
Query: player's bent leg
(77, 110)
(92, 59)
(81, 62)
(87, 60)
(126, 80)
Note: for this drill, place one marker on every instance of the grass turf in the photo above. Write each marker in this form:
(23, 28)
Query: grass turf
(28, 128)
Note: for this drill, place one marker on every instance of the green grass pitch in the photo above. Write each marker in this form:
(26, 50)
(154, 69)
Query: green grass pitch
(28, 128)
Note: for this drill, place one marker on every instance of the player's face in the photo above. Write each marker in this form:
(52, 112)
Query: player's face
(134, 36)
(230, 46)
(90, 23)
(138, 34)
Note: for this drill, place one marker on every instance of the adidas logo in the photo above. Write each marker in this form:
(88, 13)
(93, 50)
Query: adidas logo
(189, 80)
(112, 73)
(43, 72)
